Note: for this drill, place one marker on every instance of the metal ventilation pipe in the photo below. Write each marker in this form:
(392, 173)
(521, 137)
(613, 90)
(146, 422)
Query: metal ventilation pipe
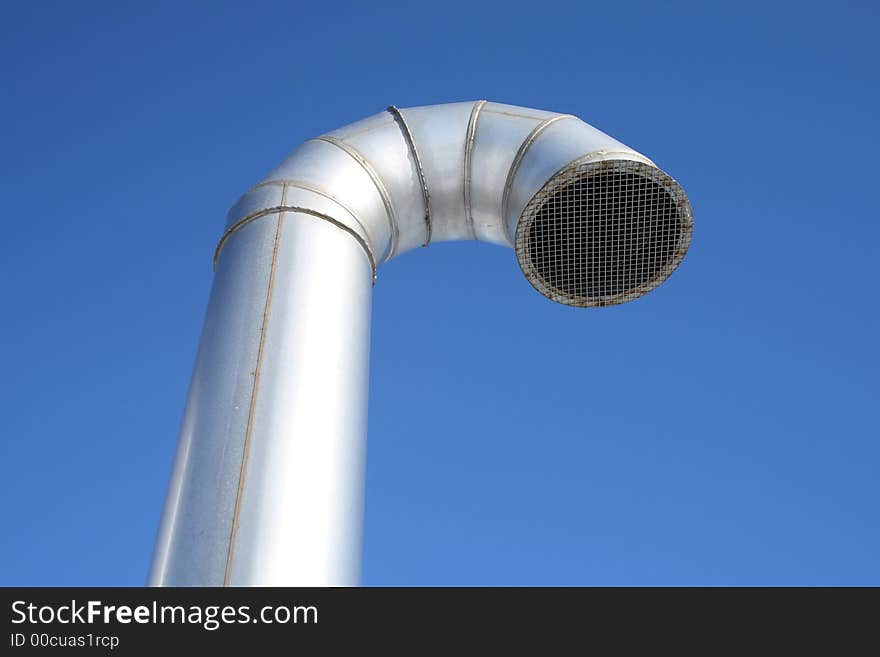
(268, 480)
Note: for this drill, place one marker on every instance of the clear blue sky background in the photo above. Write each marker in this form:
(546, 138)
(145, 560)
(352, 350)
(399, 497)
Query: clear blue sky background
(722, 430)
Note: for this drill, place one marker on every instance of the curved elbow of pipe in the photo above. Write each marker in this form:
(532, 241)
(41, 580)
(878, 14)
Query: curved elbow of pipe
(547, 184)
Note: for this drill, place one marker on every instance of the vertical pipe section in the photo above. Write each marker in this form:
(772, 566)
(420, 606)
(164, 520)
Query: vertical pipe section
(194, 532)
(268, 482)
(301, 509)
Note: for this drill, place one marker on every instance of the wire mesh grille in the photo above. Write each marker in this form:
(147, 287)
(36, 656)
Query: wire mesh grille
(602, 233)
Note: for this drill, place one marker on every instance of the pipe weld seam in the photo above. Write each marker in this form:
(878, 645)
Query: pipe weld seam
(411, 144)
(470, 139)
(294, 208)
(377, 181)
(252, 405)
(520, 154)
(301, 184)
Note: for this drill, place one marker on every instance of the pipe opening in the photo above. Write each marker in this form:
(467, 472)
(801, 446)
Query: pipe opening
(602, 233)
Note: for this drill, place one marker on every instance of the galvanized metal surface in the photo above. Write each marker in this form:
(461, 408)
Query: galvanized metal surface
(193, 539)
(417, 163)
(268, 478)
(267, 484)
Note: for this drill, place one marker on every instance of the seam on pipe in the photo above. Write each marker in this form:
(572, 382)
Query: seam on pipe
(242, 474)
(370, 127)
(295, 208)
(470, 138)
(377, 181)
(411, 144)
(520, 154)
(518, 115)
(300, 184)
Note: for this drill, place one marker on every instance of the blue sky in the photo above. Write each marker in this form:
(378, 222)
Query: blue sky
(721, 430)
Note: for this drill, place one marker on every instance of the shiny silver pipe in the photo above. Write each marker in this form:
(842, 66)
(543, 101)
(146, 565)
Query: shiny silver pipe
(268, 480)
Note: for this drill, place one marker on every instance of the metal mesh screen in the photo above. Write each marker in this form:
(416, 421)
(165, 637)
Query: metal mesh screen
(602, 233)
